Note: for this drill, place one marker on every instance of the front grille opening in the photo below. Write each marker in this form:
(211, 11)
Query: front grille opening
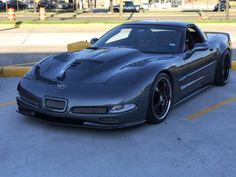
(89, 110)
(55, 104)
(108, 120)
(30, 100)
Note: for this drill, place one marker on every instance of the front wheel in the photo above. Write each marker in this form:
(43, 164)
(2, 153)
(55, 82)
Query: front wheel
(160, 99)
(223, 70)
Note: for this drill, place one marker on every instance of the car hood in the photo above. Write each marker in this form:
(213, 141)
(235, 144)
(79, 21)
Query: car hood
(93, 66)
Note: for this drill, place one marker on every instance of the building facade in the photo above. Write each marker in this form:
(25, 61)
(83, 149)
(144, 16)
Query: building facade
(162, 4)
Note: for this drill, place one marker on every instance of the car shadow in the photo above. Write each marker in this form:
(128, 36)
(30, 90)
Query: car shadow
(41, 124)
(16, 25)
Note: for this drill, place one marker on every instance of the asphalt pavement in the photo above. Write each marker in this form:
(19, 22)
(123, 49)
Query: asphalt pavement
(197, 139)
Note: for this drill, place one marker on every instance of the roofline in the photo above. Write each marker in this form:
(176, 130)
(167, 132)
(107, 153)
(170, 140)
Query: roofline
(159, 22)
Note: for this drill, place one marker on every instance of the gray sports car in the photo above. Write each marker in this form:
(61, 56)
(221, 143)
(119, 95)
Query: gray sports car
(133, 74)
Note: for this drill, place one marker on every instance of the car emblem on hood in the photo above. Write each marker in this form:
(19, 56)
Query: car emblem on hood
(61, 86)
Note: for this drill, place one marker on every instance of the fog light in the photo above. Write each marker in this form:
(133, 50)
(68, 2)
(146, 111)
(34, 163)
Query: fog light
(122, 108)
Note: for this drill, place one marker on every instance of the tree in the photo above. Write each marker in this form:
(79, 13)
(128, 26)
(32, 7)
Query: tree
(121, 9)
(91, 6)
(111, 6)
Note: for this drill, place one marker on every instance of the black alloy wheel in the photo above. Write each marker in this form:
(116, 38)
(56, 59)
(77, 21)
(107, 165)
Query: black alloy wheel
(160, 99)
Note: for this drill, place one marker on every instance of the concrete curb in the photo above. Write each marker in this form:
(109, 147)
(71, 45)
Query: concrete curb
(77, 46)
(234, 65)
(10, 71)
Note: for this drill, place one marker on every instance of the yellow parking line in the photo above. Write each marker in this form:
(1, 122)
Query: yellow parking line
(233, 65)
(23, 64)
(7, 103)
(211, 108)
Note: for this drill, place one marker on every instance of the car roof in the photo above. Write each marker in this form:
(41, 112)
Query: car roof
(159, 22)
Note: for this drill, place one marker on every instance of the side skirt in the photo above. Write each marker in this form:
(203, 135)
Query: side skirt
(192, 95)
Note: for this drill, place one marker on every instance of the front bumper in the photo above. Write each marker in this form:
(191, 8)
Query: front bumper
(67, 117)
(116, 121)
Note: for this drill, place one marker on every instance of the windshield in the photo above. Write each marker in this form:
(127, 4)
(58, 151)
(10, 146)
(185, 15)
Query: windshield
(147, 39)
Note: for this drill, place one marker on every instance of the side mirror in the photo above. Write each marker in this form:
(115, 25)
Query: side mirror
(93, 40)
(196, 47)
(200, 47)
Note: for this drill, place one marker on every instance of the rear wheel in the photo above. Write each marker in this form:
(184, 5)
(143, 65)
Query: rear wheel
(116, 10)
(223, 69)
(160, 99)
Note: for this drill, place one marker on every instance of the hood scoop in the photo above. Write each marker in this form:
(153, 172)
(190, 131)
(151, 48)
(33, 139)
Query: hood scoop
(82, 65)
(85, 62)
(90, 66)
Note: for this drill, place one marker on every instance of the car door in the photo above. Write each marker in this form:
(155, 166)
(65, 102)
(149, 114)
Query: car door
(200, 61)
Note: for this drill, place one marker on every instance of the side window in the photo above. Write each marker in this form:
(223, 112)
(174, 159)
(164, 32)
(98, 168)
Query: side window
(192, 37)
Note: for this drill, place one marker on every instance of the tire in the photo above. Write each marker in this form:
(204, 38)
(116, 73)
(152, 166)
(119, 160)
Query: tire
(116, 10)
(223, 69)
(160, 99)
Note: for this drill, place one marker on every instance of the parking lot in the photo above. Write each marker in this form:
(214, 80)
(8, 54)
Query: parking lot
(197, 139)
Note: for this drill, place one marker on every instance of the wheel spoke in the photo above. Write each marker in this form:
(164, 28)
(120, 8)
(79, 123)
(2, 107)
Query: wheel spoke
(157, 89)
(226, 69)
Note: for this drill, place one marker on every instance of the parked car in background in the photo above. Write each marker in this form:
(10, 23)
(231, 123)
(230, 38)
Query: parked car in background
(222, 6)
(13, 4)
(46, 4)
(128, 6)
(2, 6)
(30, 4)
(63, 5)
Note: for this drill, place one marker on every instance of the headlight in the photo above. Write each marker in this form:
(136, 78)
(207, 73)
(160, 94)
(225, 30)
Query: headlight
(121, 108)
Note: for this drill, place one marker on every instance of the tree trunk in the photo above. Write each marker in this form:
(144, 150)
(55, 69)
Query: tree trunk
(34, 6)
(227, 10)
(81, 5)
(111, 6)
(121, 9)
(91, 6)
(17, 5)
(6, 6)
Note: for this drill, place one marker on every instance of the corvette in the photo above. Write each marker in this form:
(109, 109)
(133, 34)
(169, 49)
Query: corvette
(134, 73)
